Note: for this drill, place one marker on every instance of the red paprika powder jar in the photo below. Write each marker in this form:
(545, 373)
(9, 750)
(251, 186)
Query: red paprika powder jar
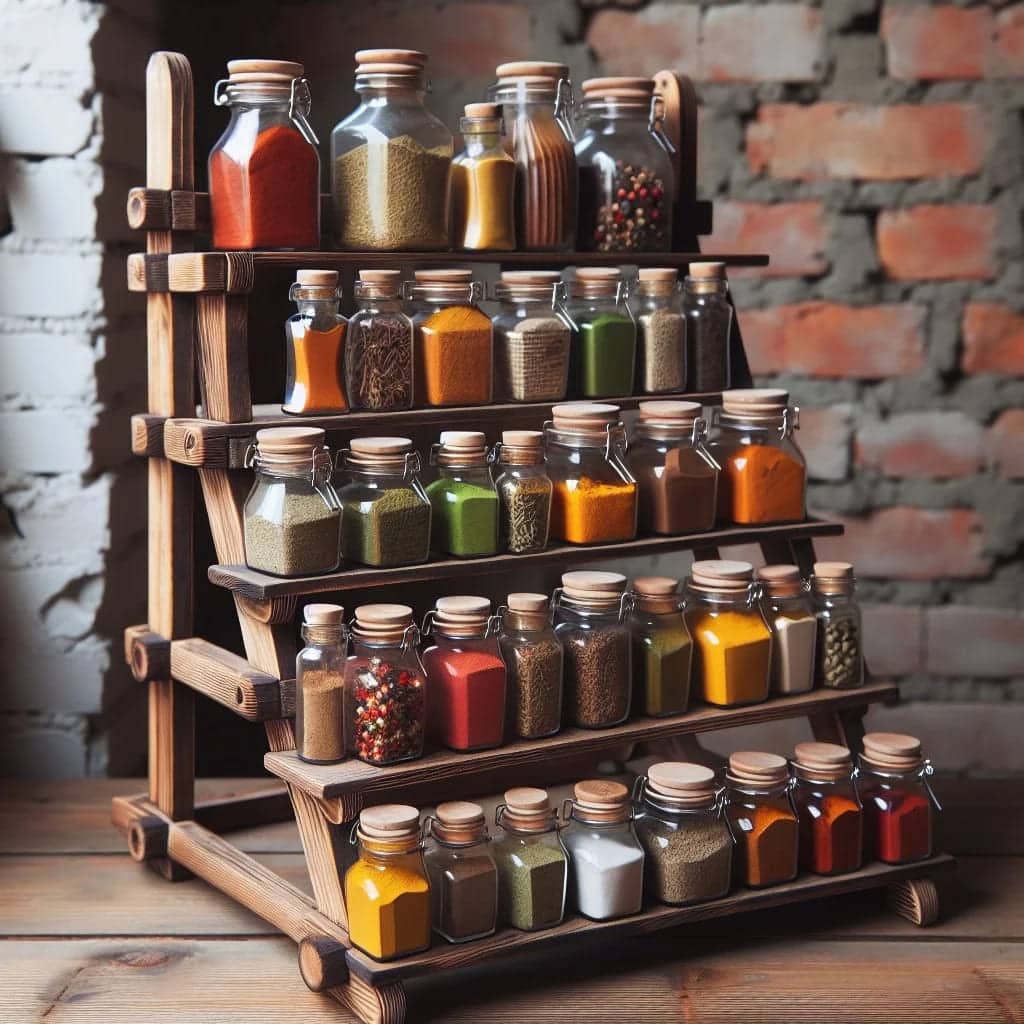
(897, 798)
(828, 808)
(466, 675)
(264, 170)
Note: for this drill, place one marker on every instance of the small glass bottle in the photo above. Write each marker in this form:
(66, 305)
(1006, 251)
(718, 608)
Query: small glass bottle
(533, 654)
(684, 833)
(708, 315)
(662, 330)
(385, 689)
(524, 492)
(291, 516)
(316, 340)
(378, 353)
(789, 612)
(320, 686)
(763, 819)
(463, 876)
(829, 809)
(606, 857)
(590, 621)
(463, 497)
(483, 184)
(840, 645)
(387, 892)
(662, 647)
(603, 353)
(897, 797)
(533, 868)
(466, 675)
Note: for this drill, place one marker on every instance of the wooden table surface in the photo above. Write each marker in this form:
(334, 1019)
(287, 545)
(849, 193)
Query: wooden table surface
(93, 937)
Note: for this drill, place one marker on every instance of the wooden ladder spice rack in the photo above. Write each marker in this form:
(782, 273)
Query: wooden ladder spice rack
(197, 327)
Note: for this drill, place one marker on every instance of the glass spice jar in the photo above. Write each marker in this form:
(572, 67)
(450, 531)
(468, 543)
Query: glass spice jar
(764, 475)
(626, 182)
(391, 159)
(828, 807)
(662, 647)
(387, 892)
(840, 652)
(264, 171)
(708, 314)
(462, 872)
(483, 184)
(763, 819)
(590, 611)
(524, 491)
(594, 496)
(533, 654)
(386, 514)
(320, 686)
(291, 516)
(316, 340)
(897, 798)
(378, 353)
(454, 344)
(788, 610)
(684, 833)
(603, 353)
(463, 497)
(662, 331)
(385, 691)
(605, 856)
(533, 867)
(531, 340)
(466, 675)
(731, 640)
(676, 476)
(536, 102)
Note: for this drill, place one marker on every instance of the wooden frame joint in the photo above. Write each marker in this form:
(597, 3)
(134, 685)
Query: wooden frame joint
(148, 654)
(148, 435)
(147, 272)
(199, 272)
(159, 209)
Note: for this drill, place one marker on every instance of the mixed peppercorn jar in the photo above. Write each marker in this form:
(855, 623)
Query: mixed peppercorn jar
(524, 491)
(320, 686)
(315, 342)
(291, 516)
(385, 511)
(385, 691)
(789, 612)
(662, 648)
(655, 305)
(463, 496)
(840, 654)
(677, 478)
(594, 500)
(626, 182)
(731, 641)
(603, 354)
(264, 170)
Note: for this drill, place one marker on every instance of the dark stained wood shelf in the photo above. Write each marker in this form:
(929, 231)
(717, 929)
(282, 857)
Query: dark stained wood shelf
(334, 780)
(260, 585)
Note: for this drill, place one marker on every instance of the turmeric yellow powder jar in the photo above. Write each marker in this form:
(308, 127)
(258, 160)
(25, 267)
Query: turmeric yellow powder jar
(387, 894)
(732, 644)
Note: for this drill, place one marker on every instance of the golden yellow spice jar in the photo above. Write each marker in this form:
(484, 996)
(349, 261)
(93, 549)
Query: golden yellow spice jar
(483, 184)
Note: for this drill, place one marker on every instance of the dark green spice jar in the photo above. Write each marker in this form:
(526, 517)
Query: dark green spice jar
(463, 497)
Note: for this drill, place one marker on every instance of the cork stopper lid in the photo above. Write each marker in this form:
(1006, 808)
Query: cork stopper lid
(600, 85)
(459, 821)
(670, 413)
(443, 275)
(531, 69)
(530, 282)
(827, 760)
(525, 602)
(598, 280)
(594, 587)
(289, 444)
(323, 614)
(758, 769)
(382, 621)
(464, 616)
(892, 751)
(522, 448)
(755, 401)
(833, 577)
(317, 278)
(469, 441)
(416, 58)
(601, 800)
(481, 110)
(522, 438)
(258, 69)
(392, 822)
(381, 277)
(656, 593)
(781, 580)
(707, 270)
(722, 575)
(387, 452)
(659, 274)
(584, 416)
(683, 783)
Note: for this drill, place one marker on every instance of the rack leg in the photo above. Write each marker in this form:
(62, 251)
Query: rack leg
(916, 899)
(843, 727)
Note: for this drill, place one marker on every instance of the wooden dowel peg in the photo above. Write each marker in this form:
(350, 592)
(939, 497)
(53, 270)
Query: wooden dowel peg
(322, 963)
(147, 653)
(148, 435)
(147, 838)
(155, 209)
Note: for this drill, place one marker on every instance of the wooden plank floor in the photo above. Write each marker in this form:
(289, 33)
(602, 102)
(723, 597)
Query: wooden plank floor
(92, 937)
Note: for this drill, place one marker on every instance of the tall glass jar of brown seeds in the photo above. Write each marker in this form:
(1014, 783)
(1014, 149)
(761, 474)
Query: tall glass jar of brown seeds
(533, 654)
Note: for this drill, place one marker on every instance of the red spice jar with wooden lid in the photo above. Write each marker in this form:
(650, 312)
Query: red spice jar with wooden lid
(829, 809)
(466, 675)
(897, 798)
(265, 170)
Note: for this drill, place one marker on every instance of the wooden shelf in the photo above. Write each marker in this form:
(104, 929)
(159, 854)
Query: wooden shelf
(334, 780)
(260, 585)
(577, 932)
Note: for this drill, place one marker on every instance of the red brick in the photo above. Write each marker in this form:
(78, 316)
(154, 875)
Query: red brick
(993, 339)
(824, 438)
(850, 140)
(763, 43)
(941, 41)
(908, 543)
(1008, 59)
(825, 339)
(922, 445)
(967, 641)
(936, 242)
(662, 35)
(795, 235)
(1006, 443)
(893, 639)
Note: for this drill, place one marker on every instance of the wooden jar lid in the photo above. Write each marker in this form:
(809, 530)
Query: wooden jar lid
(522, 439)
(758, 768)
(525, 602)
(585, 416)
(528, 809)
(833, 577)
(481, 110)
(781, 580)
(601, 800)
(657, 274)
(603, 587)
(381, 445)
(323, 614)
(529, 278)
(622, 82)
(706, 270)
(682, 782)
(459, 821)
(755, 401)
(722, 575)
(383, 56)
(656, 593)
(670, 413)
(317, 278)
(826, 759)
(892, 751)
(382, 621)
(289, 442)
(462, 615)
(470, 441)
(257, 69)
(443, 275)
(390, 822)
(532, 69)
(377, 276)
(598, 274)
